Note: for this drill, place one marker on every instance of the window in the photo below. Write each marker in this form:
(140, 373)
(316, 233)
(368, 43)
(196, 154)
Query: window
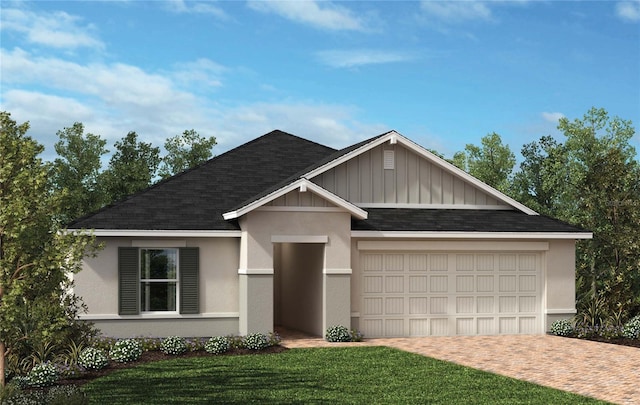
(158, 279)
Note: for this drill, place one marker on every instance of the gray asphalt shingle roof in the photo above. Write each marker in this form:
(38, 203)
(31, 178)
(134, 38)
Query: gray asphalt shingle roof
(196, 199)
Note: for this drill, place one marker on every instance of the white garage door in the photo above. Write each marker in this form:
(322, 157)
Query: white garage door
(461, 293)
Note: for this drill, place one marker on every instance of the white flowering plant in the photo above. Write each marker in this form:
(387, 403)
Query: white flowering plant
(126, 350)
(42, 375)
(174, 345)
(562, 327)
(337, 333)
(256, 341)
(92, 358)
(631, 329)
(217, 345)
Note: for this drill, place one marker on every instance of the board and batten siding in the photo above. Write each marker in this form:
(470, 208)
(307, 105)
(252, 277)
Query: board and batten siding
(413, 180)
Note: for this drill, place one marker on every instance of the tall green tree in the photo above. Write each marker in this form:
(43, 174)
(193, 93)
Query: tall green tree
(185, 151)
(76, 170)
(492, 162)
(543, 175)
(36, 256)
(132, 167)
(603, 194)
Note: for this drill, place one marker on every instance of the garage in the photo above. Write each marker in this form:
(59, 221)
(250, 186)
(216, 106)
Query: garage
(448, 293)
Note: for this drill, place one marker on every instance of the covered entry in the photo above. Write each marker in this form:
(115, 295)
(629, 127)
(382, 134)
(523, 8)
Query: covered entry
(298, 286)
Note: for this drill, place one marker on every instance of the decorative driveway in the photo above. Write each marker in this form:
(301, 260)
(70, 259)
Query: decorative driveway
(599, 370)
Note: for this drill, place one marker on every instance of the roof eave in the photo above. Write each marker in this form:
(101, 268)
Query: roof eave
(302, 185)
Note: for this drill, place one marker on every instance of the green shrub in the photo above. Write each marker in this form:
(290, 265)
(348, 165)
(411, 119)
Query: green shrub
(217, 345)
(126, 350)
(93, 359)
(66, 395)
(256, 341)
(42, 375)
(274, 339)
(631, 329)
(174, 345)
(235, 342)
(562, 327)
(356, 335)
(337, 333)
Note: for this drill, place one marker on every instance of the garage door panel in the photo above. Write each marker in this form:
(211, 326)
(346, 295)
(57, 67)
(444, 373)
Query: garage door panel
(465, 326)
(418, 305)
(394, 284)
(372, 284)
(418, 284)
(394, 306)
(464, 283)
(439, 284)
(433, 294)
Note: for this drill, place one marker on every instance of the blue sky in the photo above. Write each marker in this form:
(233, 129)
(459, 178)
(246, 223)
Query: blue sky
(441, 73)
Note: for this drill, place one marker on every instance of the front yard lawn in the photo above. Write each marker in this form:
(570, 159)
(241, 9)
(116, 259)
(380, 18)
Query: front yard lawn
(356, 375)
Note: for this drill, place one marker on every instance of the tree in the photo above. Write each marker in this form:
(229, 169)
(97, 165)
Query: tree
(602, 194)
(132, 167)
(36, 256)
(185, 151)
(542, 177)
(492, 163)
(76, 171)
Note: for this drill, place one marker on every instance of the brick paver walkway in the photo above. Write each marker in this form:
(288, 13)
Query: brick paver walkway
(599, 370)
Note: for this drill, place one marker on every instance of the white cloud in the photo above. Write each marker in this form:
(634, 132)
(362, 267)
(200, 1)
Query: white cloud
(113, 99)
(354, 58)
(182, 7)
(552, 117)
(323, 15)
(456, 11)
(56, 30)
(333, 125)
(628, 10)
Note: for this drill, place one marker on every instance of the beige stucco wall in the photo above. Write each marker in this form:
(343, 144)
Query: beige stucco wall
(97, 284)
(259, 229)
(560, 285)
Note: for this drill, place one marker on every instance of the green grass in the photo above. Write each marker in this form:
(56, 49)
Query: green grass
(347, 375)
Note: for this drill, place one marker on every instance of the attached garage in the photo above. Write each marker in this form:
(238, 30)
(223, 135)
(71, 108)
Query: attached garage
(446, 293)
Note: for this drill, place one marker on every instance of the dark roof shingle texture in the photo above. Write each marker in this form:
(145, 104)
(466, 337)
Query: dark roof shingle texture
(196, 199)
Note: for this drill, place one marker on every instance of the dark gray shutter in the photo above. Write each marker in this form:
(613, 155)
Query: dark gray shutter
(189, 280)
(128, 281)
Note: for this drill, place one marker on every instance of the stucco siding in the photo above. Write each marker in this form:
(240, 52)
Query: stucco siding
(413, 180)
(560, 280)
(97, 284)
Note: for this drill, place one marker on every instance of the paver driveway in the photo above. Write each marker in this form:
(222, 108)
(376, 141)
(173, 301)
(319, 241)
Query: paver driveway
(600, 370)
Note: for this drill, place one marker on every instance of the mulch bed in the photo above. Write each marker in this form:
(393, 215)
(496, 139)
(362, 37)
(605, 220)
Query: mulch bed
(151, 356)
(618, 341)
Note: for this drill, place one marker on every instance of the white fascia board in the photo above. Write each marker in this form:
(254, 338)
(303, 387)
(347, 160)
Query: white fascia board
(470, 235)
(394, 137)
(391, 136)
(164, 233)
(299, 184)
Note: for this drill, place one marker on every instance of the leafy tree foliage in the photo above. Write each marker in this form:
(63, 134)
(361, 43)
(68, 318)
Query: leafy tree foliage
(36, 257)
(76, 171)
(492, 163)
(543, 175)
(185, 151)
(602, 194)
(132, 167)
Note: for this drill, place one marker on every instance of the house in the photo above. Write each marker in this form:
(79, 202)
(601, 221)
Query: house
(382, 236)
